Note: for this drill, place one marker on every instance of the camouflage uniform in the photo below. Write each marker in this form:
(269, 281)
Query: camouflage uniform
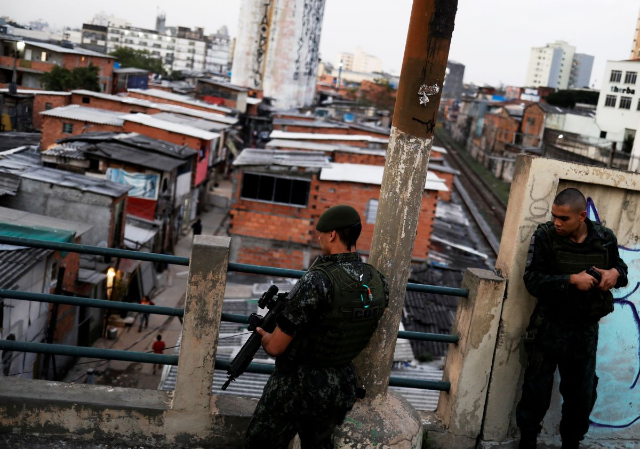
(307, 400)
(564, 337)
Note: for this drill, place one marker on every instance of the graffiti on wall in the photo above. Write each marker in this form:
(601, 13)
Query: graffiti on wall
(618, 404)
(263, 36)
(306, 63)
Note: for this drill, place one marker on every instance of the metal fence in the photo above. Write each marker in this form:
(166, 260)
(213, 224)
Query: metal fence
(111, 354)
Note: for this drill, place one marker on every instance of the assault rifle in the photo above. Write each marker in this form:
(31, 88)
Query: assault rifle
(273, 301)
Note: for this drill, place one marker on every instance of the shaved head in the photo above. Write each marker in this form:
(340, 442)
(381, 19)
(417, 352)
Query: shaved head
(572, 198)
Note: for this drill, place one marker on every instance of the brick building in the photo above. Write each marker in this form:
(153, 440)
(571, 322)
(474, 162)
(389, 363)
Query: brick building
(73, 120)
(279, 196)
(134, 105)
(222, 93)
(161, 96)
(43, 101)
(37, 58)
(357, 140)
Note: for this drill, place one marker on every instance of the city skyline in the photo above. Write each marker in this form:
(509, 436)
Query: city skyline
(493, 39)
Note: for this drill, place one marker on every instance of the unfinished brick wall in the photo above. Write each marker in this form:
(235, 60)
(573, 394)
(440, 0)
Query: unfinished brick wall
(43, 102)
(103, 103)
(52, 129)
(345, 157)
(280, 258)
(173, 102)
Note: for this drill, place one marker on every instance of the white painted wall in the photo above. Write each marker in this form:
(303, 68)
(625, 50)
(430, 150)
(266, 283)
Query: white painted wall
(613, 120)
(277, 49)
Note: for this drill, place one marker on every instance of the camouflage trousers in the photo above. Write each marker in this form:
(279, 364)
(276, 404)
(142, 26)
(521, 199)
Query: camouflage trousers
(305, 400)
(578, 383)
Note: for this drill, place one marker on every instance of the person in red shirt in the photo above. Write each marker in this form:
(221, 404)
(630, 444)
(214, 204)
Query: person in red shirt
(158, 348)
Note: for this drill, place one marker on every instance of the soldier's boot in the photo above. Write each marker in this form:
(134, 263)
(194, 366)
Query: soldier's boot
(528, 439)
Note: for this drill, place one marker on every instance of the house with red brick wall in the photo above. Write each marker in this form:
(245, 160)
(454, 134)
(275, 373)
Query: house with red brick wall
(222, 93)
(359, 140)
(312, 127)
(43, 100)
(204, 142)
(368, 156)
(161, 96)
(37, 58)
(279, 196)
(294, 116)
(133, 105)
(73, 120)
(501, 127)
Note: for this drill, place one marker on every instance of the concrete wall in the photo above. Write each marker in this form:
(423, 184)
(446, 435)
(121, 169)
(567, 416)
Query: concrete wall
(63, 202)
(614, 197)
(277, 49)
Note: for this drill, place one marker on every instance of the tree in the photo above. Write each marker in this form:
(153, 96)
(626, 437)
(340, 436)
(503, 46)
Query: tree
(62, 79)
(139, 59)
(569, 98)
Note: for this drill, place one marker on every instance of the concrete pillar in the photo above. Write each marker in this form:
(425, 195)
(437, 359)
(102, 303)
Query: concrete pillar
(203, 308)
(386, 419)
(469, 363)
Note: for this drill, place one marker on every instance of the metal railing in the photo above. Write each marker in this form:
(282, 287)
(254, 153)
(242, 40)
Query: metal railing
(184, 261)
(111, 354)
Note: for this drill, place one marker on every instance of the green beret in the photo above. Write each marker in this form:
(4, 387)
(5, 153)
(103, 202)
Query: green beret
(338, 217)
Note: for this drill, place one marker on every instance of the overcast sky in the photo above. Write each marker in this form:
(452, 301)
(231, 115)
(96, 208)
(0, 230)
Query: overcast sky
(492, 38)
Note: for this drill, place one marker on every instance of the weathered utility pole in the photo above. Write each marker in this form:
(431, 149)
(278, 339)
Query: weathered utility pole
(385, 418)
(405, 173)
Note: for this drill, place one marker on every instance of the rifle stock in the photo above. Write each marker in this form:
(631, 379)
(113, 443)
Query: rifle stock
(244, 357)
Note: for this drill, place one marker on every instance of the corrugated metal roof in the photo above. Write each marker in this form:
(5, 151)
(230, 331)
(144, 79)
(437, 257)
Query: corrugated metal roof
(38, 92)
(130, 70)
(372, 174)
(137, 141)
(309, 136)
(326, 147)
(253, 101)
(186, 130)
(308, 123)
(180, 98)
(60, 49)
(219, 118)
(117, 151)
(191, 121)
(23, 218)
(24, 167)
(91, 115)
(13, 139)
(9, 183)
(15, 264)
(438, 149)
(223, 84)
(257, 157)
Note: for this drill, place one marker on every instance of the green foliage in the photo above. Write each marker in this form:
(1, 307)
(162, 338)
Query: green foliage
(139, 59)
(176, 75)
(425, 357)
(569, 98)
(61, 79)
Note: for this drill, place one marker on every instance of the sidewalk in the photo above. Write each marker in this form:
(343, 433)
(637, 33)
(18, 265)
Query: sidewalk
(174, 280)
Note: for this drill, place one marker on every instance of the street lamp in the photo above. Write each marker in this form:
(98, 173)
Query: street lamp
(13, 86)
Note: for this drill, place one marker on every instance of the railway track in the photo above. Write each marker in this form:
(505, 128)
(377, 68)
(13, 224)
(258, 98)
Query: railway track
(486, 208)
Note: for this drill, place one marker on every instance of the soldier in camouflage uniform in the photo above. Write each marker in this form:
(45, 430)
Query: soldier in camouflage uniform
(563, 330)
(329, 318)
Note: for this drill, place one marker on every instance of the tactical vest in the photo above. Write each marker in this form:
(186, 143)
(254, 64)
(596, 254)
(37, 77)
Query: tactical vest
(356, 308)
(573, 259)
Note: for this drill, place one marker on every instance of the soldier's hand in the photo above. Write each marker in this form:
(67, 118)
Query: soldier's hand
(583, 281)
(609, 279)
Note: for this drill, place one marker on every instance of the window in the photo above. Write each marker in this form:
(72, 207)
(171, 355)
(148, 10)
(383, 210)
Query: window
(371, 211)
(638, 105)
(67, 128)
(616, 76)
(86, 100)
(275, 190)
(610, 101)
(48, 106)
(630, 77)
(625, 102)
(603, 134)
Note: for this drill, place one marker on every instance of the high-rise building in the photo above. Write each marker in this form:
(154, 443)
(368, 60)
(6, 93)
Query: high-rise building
(557, 65)
(453, 80)
(635, 47)
(277, 49)
(359, 62)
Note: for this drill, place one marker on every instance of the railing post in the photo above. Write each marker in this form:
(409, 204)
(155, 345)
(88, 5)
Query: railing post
(469, 363)
(203, 308)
